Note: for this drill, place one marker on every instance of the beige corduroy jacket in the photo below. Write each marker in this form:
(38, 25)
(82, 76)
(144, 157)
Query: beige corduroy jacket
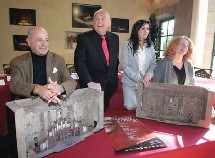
(22, 74)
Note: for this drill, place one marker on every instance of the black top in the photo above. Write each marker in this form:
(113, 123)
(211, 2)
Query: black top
(181, 74)
(39, 69)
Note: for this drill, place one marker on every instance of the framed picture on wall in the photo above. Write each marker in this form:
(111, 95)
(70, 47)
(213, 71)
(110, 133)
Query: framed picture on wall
(20, 43)
(82, 15)
(23, 17)
(120, 25)
(71, 39)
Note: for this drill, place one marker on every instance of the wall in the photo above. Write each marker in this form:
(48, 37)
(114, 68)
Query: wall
(182, 10)
(170, 8)
(203, 31)
(183, 16)
(55, 16)
(210, 34)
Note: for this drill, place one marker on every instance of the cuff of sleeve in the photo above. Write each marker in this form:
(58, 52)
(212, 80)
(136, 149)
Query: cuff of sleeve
(64, 91)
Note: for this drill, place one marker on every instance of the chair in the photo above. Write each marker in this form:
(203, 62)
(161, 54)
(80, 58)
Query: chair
(71, 68)
(204, 73)
(6, 68)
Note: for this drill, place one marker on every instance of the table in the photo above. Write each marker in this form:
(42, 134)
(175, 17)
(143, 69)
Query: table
(5, 96)
(181, 141)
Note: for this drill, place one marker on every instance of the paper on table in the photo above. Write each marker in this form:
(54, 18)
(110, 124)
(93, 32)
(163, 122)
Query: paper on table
(8, 78)
(74, 76)
(2, 82)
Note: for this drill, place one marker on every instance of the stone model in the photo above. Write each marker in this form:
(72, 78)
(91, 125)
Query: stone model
(42, 128)
(176, 104)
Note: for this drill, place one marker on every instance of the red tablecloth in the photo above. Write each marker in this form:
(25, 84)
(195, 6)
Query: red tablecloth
(5, 96)
(181, 141)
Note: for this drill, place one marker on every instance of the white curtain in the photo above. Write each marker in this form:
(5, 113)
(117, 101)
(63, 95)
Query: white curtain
(198, 29)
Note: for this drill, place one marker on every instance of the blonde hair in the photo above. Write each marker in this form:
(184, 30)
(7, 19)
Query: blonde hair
(171, 48)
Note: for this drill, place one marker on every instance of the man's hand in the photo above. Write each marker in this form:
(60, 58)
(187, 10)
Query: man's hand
(54, 99)
(54, 87)
(43, 91)
(94, 85)
(49, 92)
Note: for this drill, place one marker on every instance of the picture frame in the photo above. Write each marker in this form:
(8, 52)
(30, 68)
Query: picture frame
(22, 17)
(20, 43)
(71, 39)
(119, 25)
(82, 15)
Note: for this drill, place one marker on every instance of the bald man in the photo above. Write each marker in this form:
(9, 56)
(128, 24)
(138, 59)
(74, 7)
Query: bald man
(93, 68)
(40, 73)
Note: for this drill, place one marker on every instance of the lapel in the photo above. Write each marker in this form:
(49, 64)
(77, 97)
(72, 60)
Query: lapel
(136, 57)
(49, 66)
(187, 74)
(28, 64)
(110, 48)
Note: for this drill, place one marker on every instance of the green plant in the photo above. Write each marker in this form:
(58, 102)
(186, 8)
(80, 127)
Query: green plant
(154, 31)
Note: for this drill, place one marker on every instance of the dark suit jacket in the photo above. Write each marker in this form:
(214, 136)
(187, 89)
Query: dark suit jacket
(90, 63)
(22, 74)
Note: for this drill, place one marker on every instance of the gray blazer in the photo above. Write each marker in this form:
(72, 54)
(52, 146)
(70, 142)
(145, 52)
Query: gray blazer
(22, 74)
(165, 73)
(130, 65)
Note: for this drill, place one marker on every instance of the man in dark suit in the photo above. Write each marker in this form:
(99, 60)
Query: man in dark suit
(40, 72)
(94, 69)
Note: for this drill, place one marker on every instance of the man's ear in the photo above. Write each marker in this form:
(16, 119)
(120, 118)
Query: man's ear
(109, 23)
(27, 40)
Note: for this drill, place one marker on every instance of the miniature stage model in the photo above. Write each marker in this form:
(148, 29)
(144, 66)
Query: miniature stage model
(177, 104)
(42, 128)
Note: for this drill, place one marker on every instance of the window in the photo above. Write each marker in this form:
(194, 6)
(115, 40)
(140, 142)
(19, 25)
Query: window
(167, 31)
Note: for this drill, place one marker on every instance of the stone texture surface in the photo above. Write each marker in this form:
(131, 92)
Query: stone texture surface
(42, 128)
(176, 104)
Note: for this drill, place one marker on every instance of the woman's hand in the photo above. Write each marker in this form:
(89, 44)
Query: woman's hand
(145, 80)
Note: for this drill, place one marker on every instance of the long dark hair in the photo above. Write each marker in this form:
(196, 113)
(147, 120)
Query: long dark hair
(134, 40)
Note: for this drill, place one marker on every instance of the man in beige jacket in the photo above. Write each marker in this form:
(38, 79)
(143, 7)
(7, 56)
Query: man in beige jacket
(40, 72)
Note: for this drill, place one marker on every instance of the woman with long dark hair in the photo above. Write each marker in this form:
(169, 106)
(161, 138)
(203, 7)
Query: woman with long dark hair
(138, 62)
